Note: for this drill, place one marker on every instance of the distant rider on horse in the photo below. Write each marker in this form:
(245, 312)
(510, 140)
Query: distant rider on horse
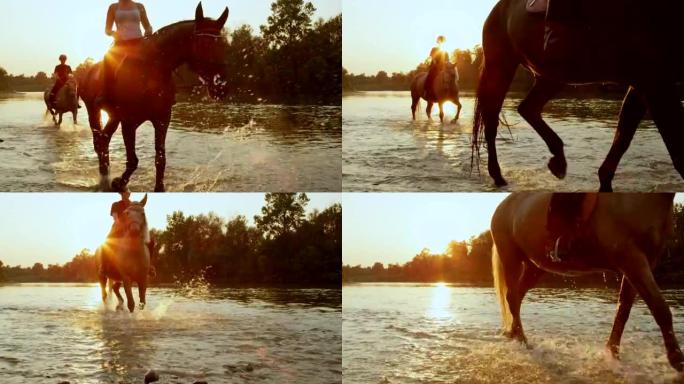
(128, 17)
(438, 60)
(61, 73)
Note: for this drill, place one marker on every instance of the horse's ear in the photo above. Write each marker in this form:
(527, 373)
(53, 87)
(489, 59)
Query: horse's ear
(199, 12)
(224, 17)
(143, 202)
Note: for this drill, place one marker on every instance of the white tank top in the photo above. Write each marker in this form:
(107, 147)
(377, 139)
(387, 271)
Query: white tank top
(128, 24)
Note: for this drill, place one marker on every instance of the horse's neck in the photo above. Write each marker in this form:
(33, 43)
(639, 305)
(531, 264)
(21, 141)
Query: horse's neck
(172, 45)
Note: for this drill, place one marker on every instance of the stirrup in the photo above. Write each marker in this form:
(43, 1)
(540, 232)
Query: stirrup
(554, 254)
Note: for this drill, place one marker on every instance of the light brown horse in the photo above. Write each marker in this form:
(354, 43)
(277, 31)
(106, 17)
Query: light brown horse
(637, 48)
(446, 89)
(145, 90)
(126, 259)
(65, 101)
(628, 233)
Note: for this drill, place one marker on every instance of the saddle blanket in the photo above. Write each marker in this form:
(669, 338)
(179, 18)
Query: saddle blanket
(537, 6)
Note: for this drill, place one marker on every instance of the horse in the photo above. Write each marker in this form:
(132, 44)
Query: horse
(446, 89)
(628, 235)
(144, 89)
(650, 68)
(126, 259)
(65, 101)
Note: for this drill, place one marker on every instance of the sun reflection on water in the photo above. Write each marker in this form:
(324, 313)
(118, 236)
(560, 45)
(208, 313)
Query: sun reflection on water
(441, 300)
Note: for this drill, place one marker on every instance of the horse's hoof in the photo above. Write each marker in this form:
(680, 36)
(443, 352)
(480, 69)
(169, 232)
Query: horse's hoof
(119, 307)
(118, 185)
(558, 167)
(500, 182)
(676, 359)
(141, 306)
(613, 351)
(606, 188)
(159, 188)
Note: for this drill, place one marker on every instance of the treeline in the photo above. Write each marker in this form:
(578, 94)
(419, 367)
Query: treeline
(292, 59)
(469, 63)
(469, 262)
(285, 246)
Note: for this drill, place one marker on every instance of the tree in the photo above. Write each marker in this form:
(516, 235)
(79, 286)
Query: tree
(42, 77)
(2, 272)
(4, 79)
(289, 22)
(282, 214)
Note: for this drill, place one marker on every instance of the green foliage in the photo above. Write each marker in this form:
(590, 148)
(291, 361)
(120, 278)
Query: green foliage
(4, 79)
(289, 23)
(283, 214)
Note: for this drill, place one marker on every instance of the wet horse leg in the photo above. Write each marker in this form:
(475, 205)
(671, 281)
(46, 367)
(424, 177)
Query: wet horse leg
(441, 112)
(632, 112)
(119, 298)
(428, 110)
(414, 105)
(103, 286)
(625, 302)
(457, 101)
(128, 289)
(639, 274)
(531, 110)
(668, 115)
(161, 127)
(142, 289)
(128, 129)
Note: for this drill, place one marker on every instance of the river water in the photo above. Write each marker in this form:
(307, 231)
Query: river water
(61, 332)
(210, 147)
(384, 150)
(436, 333)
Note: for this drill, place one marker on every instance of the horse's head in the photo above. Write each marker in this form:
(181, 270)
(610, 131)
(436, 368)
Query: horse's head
(134, 219)
(209, 52)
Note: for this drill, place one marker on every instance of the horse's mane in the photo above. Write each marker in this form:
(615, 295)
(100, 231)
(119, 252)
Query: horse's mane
(171, 31)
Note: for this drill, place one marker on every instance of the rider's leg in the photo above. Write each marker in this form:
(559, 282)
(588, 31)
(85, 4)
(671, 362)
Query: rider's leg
(55, 90)
(563, 219)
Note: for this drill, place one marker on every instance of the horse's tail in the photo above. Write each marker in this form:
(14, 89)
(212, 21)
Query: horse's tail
(498, 68)
(501, 288)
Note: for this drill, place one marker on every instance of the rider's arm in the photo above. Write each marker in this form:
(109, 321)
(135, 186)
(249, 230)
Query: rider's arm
(111, 14)
(145, 21)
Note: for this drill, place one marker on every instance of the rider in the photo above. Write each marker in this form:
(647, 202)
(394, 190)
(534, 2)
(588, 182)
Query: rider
(438, 59)
(62, 72)
(566, 215)
(128, 17)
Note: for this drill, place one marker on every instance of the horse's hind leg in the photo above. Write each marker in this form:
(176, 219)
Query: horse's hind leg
(414, 106)
(441, 113)
(458, 108)
(639, 274)
(142, 289)
(103, 286)
(625, 302)
(531, 110)
(632, 112)
(668, 115)
(512, 284)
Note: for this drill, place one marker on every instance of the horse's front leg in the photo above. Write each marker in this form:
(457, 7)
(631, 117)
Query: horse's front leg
(428, 110)
(128, 288)
(161, 127)
(632, 112)
(459, 106)
(128, 130)
(117, 291)
(74, 113)
(59, 122)
(142, 289)
(531, 108)
(625, 302)
(441, 112)
(103, 286)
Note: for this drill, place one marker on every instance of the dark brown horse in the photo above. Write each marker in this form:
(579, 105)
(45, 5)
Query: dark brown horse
(647, 58)
(628, 234)
(126, 259)
(144, 89)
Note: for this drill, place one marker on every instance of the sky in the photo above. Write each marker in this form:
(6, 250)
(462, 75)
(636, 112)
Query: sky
(396, 35)
(33, 33)
(392, 228)
(52, 228)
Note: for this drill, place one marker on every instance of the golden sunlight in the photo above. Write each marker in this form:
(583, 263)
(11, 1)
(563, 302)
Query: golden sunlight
(441, 300)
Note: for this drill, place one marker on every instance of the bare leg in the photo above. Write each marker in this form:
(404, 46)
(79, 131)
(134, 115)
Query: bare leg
(632, 112)
(129, 295)
(625, 302)
(531, 110)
